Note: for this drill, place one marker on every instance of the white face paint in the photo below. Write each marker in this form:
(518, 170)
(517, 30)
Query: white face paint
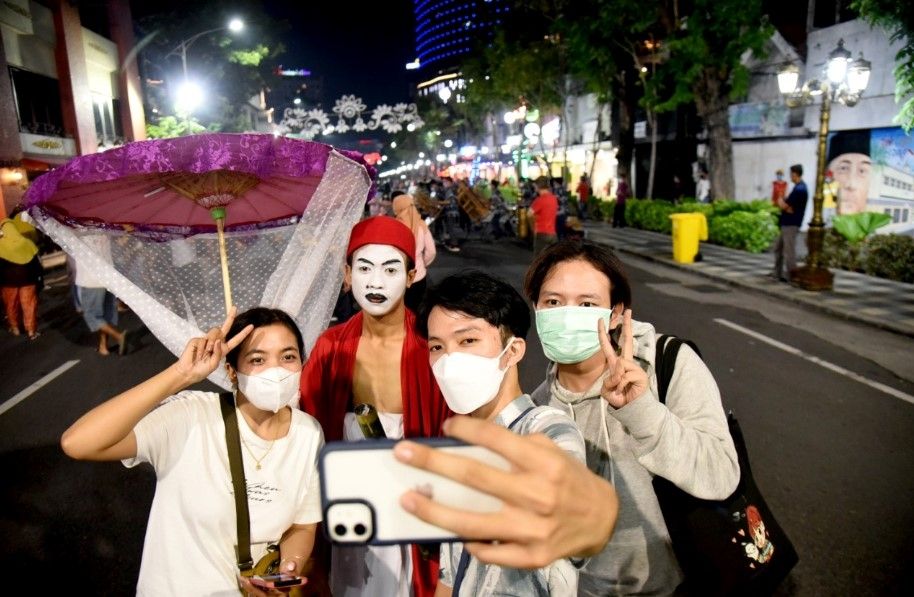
(378, 278)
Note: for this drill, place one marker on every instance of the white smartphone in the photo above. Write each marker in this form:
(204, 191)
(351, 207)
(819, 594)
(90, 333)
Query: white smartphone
(361, 485)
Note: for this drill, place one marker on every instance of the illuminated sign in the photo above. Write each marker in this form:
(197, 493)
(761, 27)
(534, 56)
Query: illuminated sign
(279, 71)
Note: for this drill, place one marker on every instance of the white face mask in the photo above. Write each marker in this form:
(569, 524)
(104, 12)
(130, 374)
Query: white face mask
(270, 389)
(378, 278)
(469, 381)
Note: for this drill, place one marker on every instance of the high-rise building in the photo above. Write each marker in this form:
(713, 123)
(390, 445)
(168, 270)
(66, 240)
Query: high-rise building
(448, 30)
(447, 33)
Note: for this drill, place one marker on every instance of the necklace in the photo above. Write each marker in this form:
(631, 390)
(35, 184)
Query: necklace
(256, 460)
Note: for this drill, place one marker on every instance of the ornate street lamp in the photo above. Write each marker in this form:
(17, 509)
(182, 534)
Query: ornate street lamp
(843, 81)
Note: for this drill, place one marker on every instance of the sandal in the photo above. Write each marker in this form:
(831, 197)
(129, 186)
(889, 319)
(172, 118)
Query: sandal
(34, 335)
(15, 331)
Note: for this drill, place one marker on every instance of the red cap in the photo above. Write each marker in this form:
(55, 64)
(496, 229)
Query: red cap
(382, 230)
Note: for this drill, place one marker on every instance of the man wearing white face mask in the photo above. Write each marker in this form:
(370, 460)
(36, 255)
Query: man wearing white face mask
(580, 291)
(476, 327)
(376, 358)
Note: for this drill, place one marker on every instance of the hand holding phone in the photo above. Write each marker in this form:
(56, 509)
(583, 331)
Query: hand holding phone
(362, 483)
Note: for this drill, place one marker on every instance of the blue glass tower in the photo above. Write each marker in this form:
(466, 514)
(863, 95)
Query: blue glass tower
(448, 30)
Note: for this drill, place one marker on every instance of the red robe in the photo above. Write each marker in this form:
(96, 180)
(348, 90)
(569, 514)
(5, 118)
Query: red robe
(326, 391)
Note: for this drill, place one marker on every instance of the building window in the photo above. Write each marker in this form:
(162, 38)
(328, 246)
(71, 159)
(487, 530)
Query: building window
(105, 118)
(37, 103)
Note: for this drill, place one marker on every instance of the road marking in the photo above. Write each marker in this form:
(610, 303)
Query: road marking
(36, 386)
(821, 362)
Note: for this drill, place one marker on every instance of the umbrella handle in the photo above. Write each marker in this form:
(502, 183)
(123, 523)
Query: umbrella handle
(218, 214)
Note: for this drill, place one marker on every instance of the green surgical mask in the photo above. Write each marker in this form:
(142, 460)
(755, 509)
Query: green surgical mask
(569, 334)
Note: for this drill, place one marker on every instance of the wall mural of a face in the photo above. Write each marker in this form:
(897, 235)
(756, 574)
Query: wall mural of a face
(379, 278)
(851, 166)
(852, 173)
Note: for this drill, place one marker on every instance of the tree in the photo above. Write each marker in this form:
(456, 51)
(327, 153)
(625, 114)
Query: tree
(898, 17)
(604, 38)
(703, 52)
(170, 126)
(528, 68)
(234, 66)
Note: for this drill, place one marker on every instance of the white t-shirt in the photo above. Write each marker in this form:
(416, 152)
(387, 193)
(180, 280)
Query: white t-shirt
(190, 546)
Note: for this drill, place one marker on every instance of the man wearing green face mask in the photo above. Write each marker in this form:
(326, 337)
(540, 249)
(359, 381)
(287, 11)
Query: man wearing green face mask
(603, 376)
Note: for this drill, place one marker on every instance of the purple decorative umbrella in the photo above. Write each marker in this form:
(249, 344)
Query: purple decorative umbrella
(151, 217)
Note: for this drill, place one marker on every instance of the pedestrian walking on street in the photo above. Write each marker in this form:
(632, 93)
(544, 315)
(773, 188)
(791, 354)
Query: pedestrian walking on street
(623, 192)
(584, 192)
(792, 210)
(543, 210)
(99, 306)
(703, 187)
(404, 207)
(20, 278)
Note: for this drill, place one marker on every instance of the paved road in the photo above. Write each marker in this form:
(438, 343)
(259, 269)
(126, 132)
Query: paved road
(832, 453)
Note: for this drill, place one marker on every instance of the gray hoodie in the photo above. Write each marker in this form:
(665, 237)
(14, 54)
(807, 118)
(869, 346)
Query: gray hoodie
(686, 441)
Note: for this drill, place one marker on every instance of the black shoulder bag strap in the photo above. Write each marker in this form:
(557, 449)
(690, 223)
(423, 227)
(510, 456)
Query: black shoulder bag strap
(236, 466)
(665, 361)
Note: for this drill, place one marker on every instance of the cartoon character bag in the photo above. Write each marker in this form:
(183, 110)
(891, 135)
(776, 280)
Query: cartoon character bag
(729, 547)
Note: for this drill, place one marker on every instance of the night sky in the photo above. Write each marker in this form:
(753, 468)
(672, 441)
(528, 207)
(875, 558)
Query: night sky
(353, 47)
(356, 47)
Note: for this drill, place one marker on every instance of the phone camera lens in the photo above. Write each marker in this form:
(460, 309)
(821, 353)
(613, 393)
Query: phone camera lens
(340, 530)
(359, 529)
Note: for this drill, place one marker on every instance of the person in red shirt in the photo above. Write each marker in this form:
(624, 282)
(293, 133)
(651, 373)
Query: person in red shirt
(543, 210)
(778, 189)
(583, 195)
(377, 358)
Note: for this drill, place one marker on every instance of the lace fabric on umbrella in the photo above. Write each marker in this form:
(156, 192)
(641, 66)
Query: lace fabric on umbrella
(175, 286)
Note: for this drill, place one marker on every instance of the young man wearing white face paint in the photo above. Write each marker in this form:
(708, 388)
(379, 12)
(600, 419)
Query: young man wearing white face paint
(609, 386)
(476, 327)
(376, 358)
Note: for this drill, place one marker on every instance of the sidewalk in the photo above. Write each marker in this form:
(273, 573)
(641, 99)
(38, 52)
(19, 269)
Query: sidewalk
(873, 301)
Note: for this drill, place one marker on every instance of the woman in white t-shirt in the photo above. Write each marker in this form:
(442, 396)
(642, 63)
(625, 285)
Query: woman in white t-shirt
(190, 546)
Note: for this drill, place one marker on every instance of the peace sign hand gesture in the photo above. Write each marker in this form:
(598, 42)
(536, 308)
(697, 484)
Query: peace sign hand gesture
(201, 356)
(624, 379)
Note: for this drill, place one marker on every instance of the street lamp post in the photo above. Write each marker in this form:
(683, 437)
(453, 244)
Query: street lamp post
(188, 93)
(844, 82)
(235, 25)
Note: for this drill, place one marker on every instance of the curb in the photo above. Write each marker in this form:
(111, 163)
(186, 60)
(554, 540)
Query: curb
(796, 299)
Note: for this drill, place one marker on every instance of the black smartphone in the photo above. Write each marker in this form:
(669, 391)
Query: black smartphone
(277, 581)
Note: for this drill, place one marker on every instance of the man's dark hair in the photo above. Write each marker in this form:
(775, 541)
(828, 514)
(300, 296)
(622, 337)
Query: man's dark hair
(397, 193)
(798, 169)
(262, 317)
(478, 294)
(541, 182)
(600, 257)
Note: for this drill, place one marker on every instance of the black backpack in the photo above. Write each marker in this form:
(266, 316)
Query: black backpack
(714, 540)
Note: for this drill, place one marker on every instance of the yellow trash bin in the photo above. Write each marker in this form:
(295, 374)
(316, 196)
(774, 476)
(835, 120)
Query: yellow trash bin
(688, 229)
